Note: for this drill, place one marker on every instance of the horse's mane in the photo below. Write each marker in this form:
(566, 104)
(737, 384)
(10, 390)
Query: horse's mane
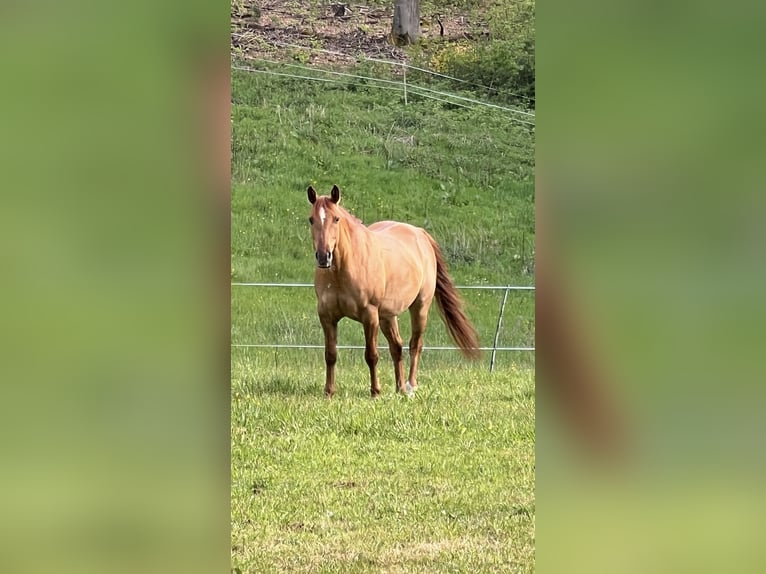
(345, 213)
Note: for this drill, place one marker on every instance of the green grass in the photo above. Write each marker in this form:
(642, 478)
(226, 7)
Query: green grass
(442, 482)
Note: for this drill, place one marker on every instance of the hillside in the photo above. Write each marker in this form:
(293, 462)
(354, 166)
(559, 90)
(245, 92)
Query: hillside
(465, 174)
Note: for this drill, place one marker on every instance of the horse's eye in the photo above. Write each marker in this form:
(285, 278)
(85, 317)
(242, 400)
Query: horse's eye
(311, 220)
(337, 219)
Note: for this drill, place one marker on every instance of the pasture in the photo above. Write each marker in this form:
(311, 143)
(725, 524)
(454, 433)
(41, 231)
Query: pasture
(443, 481)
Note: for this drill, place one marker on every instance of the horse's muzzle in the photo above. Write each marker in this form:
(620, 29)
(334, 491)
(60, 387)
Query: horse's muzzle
(324, 260)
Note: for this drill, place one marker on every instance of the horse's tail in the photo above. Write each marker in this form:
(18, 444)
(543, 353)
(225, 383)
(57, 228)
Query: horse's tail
(451, 308)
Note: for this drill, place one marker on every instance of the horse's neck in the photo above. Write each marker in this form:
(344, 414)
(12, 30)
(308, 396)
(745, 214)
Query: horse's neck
(352, 238)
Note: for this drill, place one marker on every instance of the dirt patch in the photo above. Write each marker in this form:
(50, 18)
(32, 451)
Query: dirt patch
(332, 33)
(347, 484)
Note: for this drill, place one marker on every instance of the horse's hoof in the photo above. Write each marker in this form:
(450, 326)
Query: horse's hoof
(409, 390)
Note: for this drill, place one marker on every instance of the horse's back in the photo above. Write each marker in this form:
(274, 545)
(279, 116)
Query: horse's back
(409, 261)
(404, 240)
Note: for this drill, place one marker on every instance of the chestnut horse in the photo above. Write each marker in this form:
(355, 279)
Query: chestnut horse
(371, 275)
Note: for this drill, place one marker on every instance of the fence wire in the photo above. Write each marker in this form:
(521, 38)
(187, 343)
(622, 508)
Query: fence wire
(404, 86)
(494, 348)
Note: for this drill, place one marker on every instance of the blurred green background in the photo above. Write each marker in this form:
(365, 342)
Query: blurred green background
(649, 166)
(114, 428)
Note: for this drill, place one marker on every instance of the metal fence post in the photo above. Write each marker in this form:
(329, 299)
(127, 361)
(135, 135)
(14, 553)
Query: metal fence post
(497, 331)
(404, 76)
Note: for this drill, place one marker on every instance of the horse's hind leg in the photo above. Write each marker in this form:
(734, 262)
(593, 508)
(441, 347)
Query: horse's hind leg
(419, 318)
(390, 328)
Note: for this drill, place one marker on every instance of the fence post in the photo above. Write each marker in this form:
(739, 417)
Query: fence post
(497, 331)
(404, 76)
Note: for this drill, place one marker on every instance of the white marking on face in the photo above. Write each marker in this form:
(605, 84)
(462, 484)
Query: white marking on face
(322, 214)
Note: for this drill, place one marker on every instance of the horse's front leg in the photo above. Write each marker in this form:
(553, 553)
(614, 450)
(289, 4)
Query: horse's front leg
(330, 328)
(371, 322)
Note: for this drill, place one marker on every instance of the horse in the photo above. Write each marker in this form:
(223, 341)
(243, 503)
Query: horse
(372, 275)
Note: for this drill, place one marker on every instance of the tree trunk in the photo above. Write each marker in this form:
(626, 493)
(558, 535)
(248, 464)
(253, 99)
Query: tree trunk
(406, 26)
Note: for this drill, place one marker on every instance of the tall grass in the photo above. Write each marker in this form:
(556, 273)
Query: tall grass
(464, 175)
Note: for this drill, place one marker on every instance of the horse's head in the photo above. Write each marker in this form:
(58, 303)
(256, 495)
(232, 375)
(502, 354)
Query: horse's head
(324, 219)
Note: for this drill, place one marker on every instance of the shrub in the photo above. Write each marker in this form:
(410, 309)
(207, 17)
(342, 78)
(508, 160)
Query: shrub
(504, 62)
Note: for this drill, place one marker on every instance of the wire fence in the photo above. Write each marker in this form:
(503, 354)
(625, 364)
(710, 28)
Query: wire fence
(404, 65)
(408, 89)
(495, 348)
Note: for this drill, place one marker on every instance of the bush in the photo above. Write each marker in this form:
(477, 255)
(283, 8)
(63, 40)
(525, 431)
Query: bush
(504, 62)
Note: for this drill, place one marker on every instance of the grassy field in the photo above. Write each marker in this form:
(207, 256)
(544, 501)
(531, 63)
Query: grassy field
(442, 482)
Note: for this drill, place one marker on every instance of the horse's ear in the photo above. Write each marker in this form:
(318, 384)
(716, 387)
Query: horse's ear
(335, 194)
(312, 194)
